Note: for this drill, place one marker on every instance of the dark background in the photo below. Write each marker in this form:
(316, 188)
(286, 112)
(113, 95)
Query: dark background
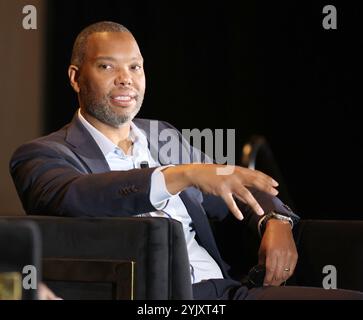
(260, 67)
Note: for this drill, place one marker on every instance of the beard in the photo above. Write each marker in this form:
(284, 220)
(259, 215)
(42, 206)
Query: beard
(99, 108)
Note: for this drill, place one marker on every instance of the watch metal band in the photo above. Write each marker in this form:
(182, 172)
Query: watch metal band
(272, 215)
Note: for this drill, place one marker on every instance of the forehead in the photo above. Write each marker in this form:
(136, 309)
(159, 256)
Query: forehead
(120, 45)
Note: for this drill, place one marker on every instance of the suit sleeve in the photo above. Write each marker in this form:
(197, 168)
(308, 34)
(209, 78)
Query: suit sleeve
(268, 203)
(51, 183)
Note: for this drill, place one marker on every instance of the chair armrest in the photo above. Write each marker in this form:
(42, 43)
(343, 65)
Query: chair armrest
(156, 245)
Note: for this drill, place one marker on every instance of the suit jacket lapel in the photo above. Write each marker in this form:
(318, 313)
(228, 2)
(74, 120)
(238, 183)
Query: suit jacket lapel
(85, 147)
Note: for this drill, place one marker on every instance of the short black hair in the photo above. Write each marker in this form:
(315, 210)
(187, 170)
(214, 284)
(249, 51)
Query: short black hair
(81, 40)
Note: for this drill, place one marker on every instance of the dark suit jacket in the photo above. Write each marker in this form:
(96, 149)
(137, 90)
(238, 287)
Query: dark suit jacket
(66, 174)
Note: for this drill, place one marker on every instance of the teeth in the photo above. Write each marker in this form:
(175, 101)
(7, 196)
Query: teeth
(123, 98)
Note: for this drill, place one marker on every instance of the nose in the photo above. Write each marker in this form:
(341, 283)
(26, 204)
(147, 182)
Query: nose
(123, 78)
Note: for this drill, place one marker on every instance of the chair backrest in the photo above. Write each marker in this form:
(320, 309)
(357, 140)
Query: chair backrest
(257, 155)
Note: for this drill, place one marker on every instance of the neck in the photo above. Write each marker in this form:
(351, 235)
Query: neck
(119, 136)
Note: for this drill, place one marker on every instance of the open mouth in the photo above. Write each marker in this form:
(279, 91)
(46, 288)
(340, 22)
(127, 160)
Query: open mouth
(123, 100)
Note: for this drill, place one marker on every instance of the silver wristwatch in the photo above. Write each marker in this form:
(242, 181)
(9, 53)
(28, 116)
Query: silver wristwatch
(272, 215)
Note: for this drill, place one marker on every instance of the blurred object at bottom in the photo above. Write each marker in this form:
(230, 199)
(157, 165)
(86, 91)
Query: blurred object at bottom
(20, 252)
(10, 286)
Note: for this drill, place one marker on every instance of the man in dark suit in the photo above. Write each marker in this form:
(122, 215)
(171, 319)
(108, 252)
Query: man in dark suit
(108, 163)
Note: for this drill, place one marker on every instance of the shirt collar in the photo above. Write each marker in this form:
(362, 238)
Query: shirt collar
(105, 144)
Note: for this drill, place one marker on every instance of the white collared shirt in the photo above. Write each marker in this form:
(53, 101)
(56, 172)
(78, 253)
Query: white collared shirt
(202, 265)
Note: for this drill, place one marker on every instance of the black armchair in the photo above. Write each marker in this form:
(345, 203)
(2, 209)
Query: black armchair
(114, 258)
(146, 258)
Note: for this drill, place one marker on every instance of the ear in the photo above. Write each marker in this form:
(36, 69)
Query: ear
(73, 75)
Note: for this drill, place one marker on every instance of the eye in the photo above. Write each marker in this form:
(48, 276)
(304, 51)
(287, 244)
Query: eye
(136, 67)
(104, 66)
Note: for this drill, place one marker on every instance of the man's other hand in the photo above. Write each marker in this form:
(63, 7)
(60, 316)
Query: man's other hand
(277, 252)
